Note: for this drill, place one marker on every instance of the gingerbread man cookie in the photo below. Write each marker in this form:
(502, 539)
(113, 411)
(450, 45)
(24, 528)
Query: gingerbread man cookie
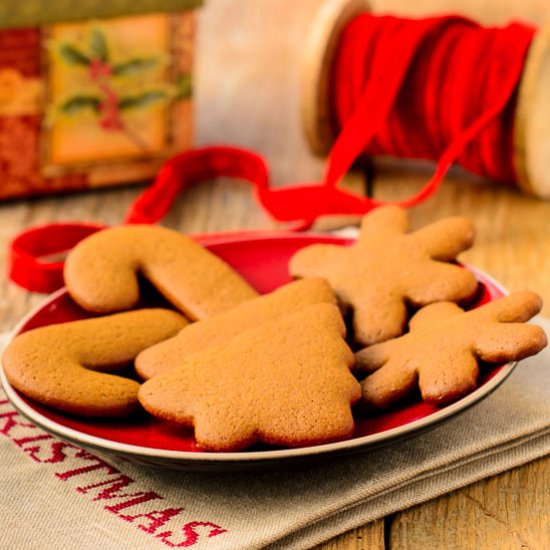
(441, 352)
(101, 272)
(287, 382)
(388, 269)
(219, 328)
(66, 366)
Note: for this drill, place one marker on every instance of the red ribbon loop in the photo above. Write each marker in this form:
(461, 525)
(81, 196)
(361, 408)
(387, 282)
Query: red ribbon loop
(192, 167)
(36, 256)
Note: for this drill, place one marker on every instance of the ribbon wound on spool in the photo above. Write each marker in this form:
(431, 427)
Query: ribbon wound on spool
(441, 88)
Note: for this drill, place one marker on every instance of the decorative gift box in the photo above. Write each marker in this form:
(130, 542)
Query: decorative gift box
(92, 93)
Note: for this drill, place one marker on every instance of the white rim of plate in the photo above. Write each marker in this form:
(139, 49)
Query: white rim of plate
(246, 456)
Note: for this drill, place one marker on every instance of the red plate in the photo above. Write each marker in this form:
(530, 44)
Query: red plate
(263, 262)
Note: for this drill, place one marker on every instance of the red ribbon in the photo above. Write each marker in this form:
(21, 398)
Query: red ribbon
(34, 255)
(30, 263)
(440, 88)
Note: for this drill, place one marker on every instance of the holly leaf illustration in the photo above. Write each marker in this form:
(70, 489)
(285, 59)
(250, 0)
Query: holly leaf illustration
(184, 86)
(141, 100)
(133, 66)
(78, 103)
(72, 55)
(98, 45)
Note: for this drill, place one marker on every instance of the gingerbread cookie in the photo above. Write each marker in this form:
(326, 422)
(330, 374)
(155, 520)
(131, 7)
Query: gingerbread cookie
(388, 269)
(65, 366)
(219, 328)
(441, 352)
(287, 382)
(101, 272)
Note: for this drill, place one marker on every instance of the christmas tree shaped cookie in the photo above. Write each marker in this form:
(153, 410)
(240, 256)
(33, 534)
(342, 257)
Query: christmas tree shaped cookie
(441, 352)
(219, 328)
(287, 382)
(388, 269)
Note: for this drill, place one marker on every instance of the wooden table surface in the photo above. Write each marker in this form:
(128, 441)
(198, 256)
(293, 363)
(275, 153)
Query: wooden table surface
(247, 94)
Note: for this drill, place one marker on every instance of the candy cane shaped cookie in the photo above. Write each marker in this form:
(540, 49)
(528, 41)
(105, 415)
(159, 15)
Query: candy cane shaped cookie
(101, 272)
(67, 366)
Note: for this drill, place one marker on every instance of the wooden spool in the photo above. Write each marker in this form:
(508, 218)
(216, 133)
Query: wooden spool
(532, 117)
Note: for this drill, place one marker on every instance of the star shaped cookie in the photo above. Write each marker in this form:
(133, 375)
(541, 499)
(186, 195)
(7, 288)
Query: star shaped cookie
(388, 269)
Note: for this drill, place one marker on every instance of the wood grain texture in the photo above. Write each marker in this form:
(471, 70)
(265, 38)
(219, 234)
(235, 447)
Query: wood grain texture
(247, 93)
(370, 537)
(506, 512)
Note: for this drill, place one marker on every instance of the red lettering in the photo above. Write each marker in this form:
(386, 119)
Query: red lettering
(98, 464)
(157, 518)
(114, 491)
(22, 440)
(143, 497)
(56, 452)
(189, 531)
(12, 419)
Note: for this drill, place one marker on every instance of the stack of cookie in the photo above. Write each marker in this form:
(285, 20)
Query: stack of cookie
(282, 368)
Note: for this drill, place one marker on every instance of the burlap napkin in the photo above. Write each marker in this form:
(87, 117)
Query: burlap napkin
(54, 494)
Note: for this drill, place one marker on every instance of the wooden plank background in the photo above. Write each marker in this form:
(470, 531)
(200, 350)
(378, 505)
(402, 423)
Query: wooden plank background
(247, 89)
